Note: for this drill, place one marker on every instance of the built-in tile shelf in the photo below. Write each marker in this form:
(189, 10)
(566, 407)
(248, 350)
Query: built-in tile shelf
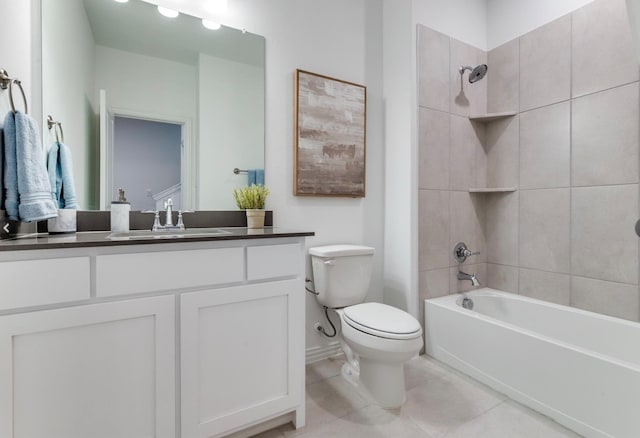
(492, 190)
(491, 117)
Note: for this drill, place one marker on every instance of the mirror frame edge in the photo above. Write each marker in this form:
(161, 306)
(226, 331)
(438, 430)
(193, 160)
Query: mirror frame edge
(36, 65)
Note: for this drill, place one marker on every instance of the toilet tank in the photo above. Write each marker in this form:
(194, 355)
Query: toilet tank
(341, 274)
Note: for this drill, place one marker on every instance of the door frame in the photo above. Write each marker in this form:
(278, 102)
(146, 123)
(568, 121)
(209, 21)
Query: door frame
(187, 165)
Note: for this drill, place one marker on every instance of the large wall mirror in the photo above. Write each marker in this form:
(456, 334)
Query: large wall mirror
(162, 107)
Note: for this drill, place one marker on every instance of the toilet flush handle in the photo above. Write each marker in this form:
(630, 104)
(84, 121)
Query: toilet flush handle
(329, 262)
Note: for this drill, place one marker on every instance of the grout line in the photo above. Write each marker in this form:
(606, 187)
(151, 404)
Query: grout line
(450, 192)
(595, 186)
(572, 98)
(519, 182)
(546, 105)
(564, 274)
(571, 103)
(601, 90)
(435, 110)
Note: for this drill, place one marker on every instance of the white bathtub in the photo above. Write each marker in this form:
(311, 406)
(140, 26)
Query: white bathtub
(580, 368)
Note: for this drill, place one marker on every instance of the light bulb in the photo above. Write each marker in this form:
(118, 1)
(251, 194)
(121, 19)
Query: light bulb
(209, 24)
(169, 13)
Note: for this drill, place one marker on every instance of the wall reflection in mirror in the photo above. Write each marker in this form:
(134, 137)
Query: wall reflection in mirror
(162, 107)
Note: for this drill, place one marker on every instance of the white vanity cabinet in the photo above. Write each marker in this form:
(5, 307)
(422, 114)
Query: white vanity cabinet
(240, 357)
(99, 370)
(201, 339)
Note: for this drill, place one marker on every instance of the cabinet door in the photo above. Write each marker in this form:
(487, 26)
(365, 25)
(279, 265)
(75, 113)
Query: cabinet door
(103, 370)
(242, 356)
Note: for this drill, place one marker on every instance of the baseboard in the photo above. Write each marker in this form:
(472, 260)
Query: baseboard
(263, 427)
(314, 354)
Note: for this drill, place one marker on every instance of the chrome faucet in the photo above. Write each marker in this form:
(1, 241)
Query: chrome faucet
(168, 205)
(168, 226)
(470, 277)
(461, 252)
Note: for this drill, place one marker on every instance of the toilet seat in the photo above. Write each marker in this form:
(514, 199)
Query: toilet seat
(382, 321)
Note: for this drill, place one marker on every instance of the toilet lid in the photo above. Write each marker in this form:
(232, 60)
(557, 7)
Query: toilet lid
(341, 251)
(382, 320)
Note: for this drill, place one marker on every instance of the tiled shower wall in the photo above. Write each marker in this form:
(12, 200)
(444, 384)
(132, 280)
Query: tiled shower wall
(566, 234)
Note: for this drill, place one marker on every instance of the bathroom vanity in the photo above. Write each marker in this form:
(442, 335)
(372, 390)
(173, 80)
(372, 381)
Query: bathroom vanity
(190, 337)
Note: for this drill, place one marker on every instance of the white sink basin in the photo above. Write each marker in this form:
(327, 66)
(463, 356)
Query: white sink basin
(150, 235)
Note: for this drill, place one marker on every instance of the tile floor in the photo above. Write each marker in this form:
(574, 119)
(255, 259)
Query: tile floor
(440, 403)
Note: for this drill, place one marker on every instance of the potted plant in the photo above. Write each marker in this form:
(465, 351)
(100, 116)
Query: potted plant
(252, 198)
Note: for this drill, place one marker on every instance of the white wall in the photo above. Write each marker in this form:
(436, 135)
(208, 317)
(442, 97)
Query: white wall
(487, 24)
(68, 81)
(15, 57)
(464, 20)
(231, 128)
(145, 84)
(400, 258)
(509, 19)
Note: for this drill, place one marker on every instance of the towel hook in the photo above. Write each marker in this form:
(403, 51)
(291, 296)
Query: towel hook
(58, 128)
(7, 82)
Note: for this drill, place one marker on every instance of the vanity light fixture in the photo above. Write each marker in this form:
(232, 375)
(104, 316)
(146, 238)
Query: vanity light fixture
(216, 9)
(169, 13)
(121, 1)
(210, 24)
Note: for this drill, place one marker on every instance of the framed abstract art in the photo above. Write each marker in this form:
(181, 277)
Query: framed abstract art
(330, 136)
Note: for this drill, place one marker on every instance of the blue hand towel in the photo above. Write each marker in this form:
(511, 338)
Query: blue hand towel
(26, 179)
(255, 176)
(60, 168)
(10, 168)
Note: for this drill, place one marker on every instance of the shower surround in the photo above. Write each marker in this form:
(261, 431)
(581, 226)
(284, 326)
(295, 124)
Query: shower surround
(566, 235)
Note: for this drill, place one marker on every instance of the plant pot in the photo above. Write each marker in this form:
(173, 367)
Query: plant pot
(255, 218)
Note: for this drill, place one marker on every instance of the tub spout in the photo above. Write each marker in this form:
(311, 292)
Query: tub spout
(471, 277)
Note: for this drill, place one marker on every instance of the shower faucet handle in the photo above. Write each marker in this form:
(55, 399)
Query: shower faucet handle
(461, 252)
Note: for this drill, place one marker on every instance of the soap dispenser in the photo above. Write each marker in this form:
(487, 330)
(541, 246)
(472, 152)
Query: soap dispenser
(120, 214)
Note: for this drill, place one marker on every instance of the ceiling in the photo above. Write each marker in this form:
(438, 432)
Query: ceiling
(137, 27)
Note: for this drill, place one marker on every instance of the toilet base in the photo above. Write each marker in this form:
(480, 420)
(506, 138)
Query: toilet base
(384, 382)
(350, 375)
(379, 383)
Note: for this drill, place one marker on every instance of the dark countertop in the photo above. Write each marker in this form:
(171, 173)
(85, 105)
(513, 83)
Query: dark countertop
(100, 238)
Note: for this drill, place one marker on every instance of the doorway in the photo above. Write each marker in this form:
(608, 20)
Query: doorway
(147, 162)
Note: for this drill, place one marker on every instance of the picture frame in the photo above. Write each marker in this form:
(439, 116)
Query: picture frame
(330, 136)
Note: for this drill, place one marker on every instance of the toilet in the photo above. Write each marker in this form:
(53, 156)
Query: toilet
(377, 339)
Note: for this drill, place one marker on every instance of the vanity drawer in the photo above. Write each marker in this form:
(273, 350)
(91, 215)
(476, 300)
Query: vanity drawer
(39, 282)
(123, 274)
(274, 261)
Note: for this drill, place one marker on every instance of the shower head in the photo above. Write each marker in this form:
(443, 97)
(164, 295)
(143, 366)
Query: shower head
(476, 73)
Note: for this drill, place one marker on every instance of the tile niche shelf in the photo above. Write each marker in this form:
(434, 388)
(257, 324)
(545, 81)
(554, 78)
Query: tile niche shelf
(488, 118)
(492, 190)
(491, 117)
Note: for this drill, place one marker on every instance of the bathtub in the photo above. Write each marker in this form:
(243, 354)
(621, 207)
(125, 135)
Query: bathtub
(580, 368)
